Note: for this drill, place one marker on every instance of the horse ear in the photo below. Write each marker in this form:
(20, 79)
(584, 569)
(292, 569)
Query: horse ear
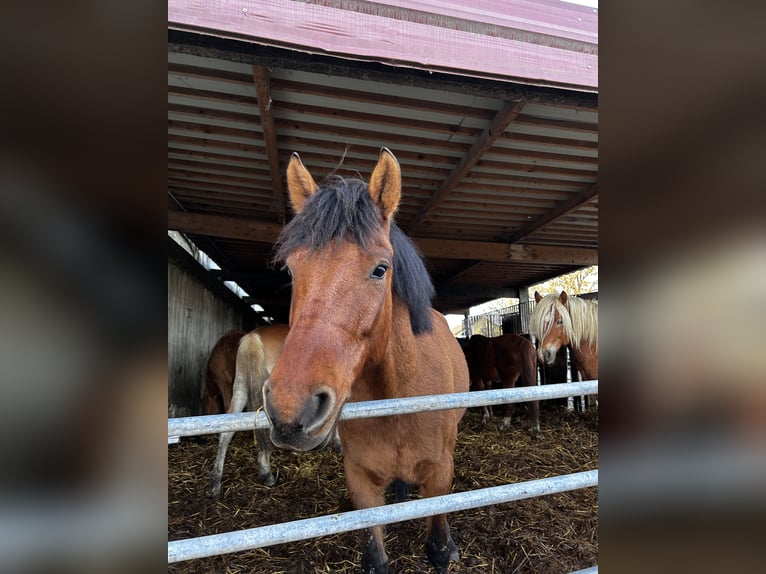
(563, 297)
(538, 297)
(300, 184)
(386, 183)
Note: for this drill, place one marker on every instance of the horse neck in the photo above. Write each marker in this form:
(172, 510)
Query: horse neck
(390, 376)
(586, 359)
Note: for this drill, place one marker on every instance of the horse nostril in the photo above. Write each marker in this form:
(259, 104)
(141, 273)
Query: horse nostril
(317, 409)
(326, 401)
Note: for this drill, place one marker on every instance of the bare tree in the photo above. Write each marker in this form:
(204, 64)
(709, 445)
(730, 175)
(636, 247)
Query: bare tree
(578, 282)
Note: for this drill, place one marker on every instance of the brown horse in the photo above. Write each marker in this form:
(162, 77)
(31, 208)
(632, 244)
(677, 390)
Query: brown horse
(558, 321)
(507, 359)
(256, 356)
(219, 373)
(362, 328)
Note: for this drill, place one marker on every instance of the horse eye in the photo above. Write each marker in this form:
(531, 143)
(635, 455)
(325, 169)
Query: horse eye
(290, 273)
(379, 272)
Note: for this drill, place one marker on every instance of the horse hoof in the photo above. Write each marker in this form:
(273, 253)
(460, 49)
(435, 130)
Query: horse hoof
(213, 491)
(440, 556)
(372, 569)
(374, 560)
(268, 479)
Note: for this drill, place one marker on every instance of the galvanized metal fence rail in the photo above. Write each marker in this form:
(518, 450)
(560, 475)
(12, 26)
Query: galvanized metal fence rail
(229, 542)
(354, 520)
(213, 424)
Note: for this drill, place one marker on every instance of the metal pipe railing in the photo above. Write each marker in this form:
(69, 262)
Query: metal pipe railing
(213, 424)
(229, 542)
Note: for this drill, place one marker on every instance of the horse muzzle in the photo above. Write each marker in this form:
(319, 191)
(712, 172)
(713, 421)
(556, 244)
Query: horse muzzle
(307, 426)
(548, 355)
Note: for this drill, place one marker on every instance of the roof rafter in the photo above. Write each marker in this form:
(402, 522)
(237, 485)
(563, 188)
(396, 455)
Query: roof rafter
(539, 223)
(488, 137)
(263, 93)
(582, 197)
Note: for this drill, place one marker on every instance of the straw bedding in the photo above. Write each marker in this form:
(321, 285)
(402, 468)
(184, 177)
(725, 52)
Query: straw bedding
(556, 533)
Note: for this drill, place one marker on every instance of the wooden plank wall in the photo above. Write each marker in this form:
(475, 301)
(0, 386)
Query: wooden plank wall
(196, 320)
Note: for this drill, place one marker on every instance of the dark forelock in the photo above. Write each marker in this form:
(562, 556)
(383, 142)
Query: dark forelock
(343, 210)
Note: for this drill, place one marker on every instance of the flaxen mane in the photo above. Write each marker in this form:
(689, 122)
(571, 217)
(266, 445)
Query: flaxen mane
(579, 319)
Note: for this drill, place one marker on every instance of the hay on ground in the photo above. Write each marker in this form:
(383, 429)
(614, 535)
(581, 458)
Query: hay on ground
(556, 533)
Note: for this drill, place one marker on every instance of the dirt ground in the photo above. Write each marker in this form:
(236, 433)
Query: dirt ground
(550, 534)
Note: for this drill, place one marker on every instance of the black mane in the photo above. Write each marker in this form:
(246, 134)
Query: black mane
(342, 209)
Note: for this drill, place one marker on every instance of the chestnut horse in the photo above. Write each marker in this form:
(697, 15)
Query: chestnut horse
(557, 321)
(219, 373)
(362, 328)
(256, 356)
(507, 359)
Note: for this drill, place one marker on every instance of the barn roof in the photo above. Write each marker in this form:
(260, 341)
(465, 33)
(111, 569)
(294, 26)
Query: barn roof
(491, 112)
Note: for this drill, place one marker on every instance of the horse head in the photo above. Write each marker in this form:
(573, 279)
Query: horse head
(551, 324)
(339, 254)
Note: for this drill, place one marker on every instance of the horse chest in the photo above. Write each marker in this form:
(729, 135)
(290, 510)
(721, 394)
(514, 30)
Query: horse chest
(393, 445)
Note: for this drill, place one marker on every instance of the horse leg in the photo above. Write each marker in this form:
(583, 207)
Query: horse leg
(508, 383)
(226, 394)
(265, 447)
(212, 405)
(534, 416)
(440, 547)
(486, 409)
(237, 404)
(505, 424)
(262, 438)
(214, 487)
(365, 493)
(375, 559)
(487, 414)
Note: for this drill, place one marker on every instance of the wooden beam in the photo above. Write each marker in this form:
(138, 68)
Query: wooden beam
(251, 230)
(560, 211)
(554, 214)
(222, 226)
(483, 251)
(263, 93)
(463, 268)
(482, 292)
(502, 119)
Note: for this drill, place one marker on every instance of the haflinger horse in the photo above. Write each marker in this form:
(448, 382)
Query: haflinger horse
(362, 328)
(256, 356)
(509, 359)
(219, 373)
(557, 321)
